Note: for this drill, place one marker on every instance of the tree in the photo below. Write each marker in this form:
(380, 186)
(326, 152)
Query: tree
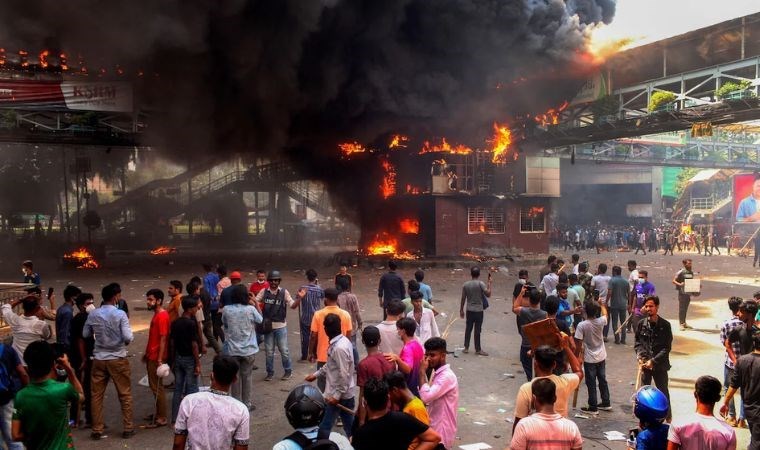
(660, 98)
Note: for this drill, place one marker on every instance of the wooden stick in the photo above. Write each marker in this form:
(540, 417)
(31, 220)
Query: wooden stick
(638, 379)
(624, 324)
(749, 240)
(575, 396)
(348, 410)
(451, 322)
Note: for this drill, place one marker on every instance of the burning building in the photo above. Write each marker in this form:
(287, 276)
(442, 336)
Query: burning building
(457, 198)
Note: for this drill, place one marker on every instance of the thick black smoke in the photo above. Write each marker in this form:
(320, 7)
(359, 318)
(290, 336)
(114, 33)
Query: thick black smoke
(296, 77)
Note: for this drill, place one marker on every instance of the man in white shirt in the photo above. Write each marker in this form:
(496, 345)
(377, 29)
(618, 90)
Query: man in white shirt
(600, 281)
(28, 327)
(588, 336)
(701, 430)
(546, 360)
(213, 419)
(545, 428)
(551, 279)
(339, 376)
(389, 340)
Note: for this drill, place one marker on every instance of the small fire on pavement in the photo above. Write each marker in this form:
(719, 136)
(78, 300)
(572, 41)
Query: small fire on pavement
(82, 258)
(163, 250)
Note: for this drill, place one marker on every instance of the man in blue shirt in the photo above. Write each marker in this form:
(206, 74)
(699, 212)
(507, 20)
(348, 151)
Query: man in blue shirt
(427, 293)
(310, 298)
(110, 327)
(210, 280)
(748, 211)
(30, 276)
(64, 315)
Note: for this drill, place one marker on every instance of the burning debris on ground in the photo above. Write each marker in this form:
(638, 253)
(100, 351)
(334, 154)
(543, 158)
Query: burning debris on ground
(81, 258)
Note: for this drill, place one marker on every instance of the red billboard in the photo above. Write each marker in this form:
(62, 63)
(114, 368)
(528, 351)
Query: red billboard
(747, 198)
(72, 95)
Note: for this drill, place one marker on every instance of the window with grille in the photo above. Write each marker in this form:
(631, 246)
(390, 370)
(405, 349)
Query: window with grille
(485, 221)
(532, 219)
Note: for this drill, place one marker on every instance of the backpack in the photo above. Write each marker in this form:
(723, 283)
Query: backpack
(322, 442)
(6, 383)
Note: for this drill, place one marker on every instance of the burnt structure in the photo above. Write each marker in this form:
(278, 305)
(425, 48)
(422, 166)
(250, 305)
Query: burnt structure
(448, 204)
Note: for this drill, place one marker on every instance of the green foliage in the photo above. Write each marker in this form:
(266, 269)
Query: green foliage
(683, 178)
(661, 98)
(732, 86)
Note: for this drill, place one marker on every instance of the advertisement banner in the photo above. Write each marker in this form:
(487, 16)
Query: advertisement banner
(72, 95)
(746, 198)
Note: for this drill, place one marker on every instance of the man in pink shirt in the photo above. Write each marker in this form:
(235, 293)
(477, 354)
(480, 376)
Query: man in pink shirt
(701, 430)
(411, 355)
(545, 428)
(441, 392)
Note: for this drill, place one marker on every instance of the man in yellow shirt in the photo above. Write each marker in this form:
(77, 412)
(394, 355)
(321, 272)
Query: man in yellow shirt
(319, 342)
(403, 398)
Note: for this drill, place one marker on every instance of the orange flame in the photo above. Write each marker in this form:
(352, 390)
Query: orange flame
(551, 116)
(163, 250)
(535, 211)
(599, 49)
(83, 258)
(409, 226)
(349, 148)
(413, 190)
(445, 147)
(398, 141)
(388, 246)
(388, 187)
(502, 139)
(43, 58)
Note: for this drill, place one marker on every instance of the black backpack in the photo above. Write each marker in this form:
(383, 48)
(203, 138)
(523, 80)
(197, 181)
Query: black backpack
(322, 442)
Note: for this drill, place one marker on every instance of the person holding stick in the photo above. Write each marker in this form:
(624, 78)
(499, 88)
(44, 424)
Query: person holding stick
(654, 339)
(339, 377)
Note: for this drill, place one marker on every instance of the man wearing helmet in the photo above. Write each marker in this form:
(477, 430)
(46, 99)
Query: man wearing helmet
(651, 407)
(274, 302)
(305, 408)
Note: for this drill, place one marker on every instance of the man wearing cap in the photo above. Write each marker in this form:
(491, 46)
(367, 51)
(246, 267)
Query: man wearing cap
(274, 302)
(225, 297)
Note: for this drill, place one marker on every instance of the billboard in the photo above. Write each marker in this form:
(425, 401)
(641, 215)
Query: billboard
(746, 198)
(72, 95)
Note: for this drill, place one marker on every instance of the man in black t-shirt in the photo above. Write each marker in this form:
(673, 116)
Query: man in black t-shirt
(389, 430)
(81, 353)
(185, 353)
(746, 374)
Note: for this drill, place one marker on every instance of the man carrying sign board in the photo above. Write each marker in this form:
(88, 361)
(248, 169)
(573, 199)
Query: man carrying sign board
(686, 287)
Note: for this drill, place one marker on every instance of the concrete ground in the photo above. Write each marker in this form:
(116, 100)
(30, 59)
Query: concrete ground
(487, 384)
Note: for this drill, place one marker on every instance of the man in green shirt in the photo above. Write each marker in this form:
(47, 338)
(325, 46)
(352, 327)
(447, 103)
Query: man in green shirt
(41, 416)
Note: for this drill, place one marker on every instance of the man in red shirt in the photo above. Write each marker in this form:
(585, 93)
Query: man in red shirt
(260, 284)
(156, 352)
(374, 365)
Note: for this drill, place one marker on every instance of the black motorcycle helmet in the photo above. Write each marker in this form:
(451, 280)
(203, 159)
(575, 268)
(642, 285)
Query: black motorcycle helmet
(305, 406)
(274, 275)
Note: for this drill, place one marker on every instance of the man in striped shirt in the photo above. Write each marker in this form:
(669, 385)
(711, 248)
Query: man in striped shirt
(545, 429)
(310, 298)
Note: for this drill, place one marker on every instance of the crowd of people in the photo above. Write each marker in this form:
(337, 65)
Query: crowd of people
(402, 394)
(585, 308)
(702, 239)
(406, 390)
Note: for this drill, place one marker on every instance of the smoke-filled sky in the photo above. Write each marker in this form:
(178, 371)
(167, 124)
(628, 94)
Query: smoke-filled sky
(652, 20)
(296, 77)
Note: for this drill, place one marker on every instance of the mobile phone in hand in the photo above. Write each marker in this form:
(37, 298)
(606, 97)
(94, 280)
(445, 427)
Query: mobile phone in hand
(50, 292)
